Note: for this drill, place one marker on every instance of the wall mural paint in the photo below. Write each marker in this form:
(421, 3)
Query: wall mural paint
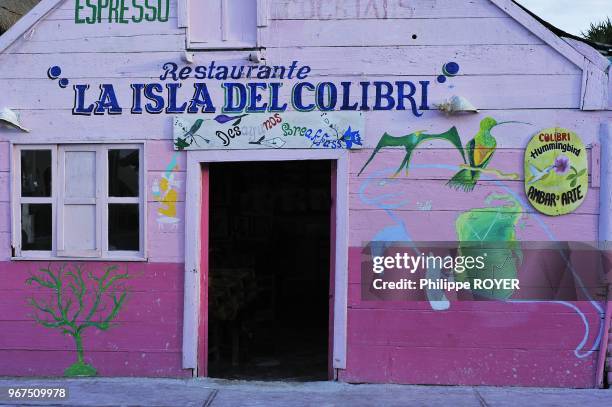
(410, 142)
(469, 224)
(487, 225)
(391, 201)
(78, 301)
(165, 191)
(333, 130)
(480, 151)
(476, 155)
(449, 70)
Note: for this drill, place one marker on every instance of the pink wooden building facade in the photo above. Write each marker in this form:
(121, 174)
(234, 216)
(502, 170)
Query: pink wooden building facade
(53, 67)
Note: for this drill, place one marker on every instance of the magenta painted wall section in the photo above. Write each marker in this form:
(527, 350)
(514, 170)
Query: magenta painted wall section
(472, 343)
(144, 341)
(5, 229)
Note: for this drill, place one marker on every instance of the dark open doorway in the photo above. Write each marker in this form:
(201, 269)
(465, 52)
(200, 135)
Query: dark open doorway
(269, 270)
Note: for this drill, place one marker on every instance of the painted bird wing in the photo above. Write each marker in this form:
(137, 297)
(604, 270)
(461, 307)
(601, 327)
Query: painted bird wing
(482, 155)
(534, 170)
(537, 174)
(388, 140)
(469, 149)
(452, 136)
(411, 141)
(196, 126)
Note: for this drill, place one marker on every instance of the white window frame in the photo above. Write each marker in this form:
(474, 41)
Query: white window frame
(62, 200)
(262, 10)
(17, 200)
(102, 201)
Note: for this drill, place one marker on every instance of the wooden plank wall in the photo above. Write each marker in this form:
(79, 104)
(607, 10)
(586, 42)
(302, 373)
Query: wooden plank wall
(506, 71)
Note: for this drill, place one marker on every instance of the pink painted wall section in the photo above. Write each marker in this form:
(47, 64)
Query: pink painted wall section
(472, 343)
(166, 233)
(5, 222)
(145, 339)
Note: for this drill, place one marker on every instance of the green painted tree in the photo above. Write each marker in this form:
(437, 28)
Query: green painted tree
(76, 305)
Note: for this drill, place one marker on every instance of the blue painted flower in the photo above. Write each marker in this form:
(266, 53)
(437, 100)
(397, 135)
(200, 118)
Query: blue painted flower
(351, 137)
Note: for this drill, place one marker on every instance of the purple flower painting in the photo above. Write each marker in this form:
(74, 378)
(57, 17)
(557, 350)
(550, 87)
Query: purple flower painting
(562, 164)
(222, 119)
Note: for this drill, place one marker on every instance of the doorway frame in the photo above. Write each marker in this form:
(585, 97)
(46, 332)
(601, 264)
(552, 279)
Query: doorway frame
(196, 274)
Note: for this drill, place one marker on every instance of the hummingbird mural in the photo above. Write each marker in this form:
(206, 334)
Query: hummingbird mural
(479, 151)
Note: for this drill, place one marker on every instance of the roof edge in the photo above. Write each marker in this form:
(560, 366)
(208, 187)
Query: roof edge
(543, 30)
(27, 22)
(563, 33)
(590, 49)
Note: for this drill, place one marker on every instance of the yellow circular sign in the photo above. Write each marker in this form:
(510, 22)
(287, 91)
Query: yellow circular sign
(556, 171)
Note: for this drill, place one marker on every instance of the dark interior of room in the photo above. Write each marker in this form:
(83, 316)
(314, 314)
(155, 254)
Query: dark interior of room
(269, 265)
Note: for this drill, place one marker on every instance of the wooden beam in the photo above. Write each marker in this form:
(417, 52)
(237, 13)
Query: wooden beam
(27, 22)
(182, 13)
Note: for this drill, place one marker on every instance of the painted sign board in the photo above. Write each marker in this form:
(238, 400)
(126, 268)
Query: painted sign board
(287, 130)
(556, 171)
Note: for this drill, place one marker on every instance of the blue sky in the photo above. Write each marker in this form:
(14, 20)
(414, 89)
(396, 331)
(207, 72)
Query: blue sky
(572, 16)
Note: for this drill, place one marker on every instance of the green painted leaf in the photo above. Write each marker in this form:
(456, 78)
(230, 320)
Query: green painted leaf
(581, 173)
(181, 143)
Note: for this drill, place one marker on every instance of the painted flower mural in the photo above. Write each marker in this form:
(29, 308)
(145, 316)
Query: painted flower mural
(562, 164)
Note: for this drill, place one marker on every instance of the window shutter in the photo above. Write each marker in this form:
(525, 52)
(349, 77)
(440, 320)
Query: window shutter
(223, 23)
(80, 176)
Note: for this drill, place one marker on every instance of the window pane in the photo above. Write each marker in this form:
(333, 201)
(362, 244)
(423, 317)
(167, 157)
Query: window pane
(80, 175)
(123, 173)
(36, 173)
(36, 227)
(80, 227)
(123, 227)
